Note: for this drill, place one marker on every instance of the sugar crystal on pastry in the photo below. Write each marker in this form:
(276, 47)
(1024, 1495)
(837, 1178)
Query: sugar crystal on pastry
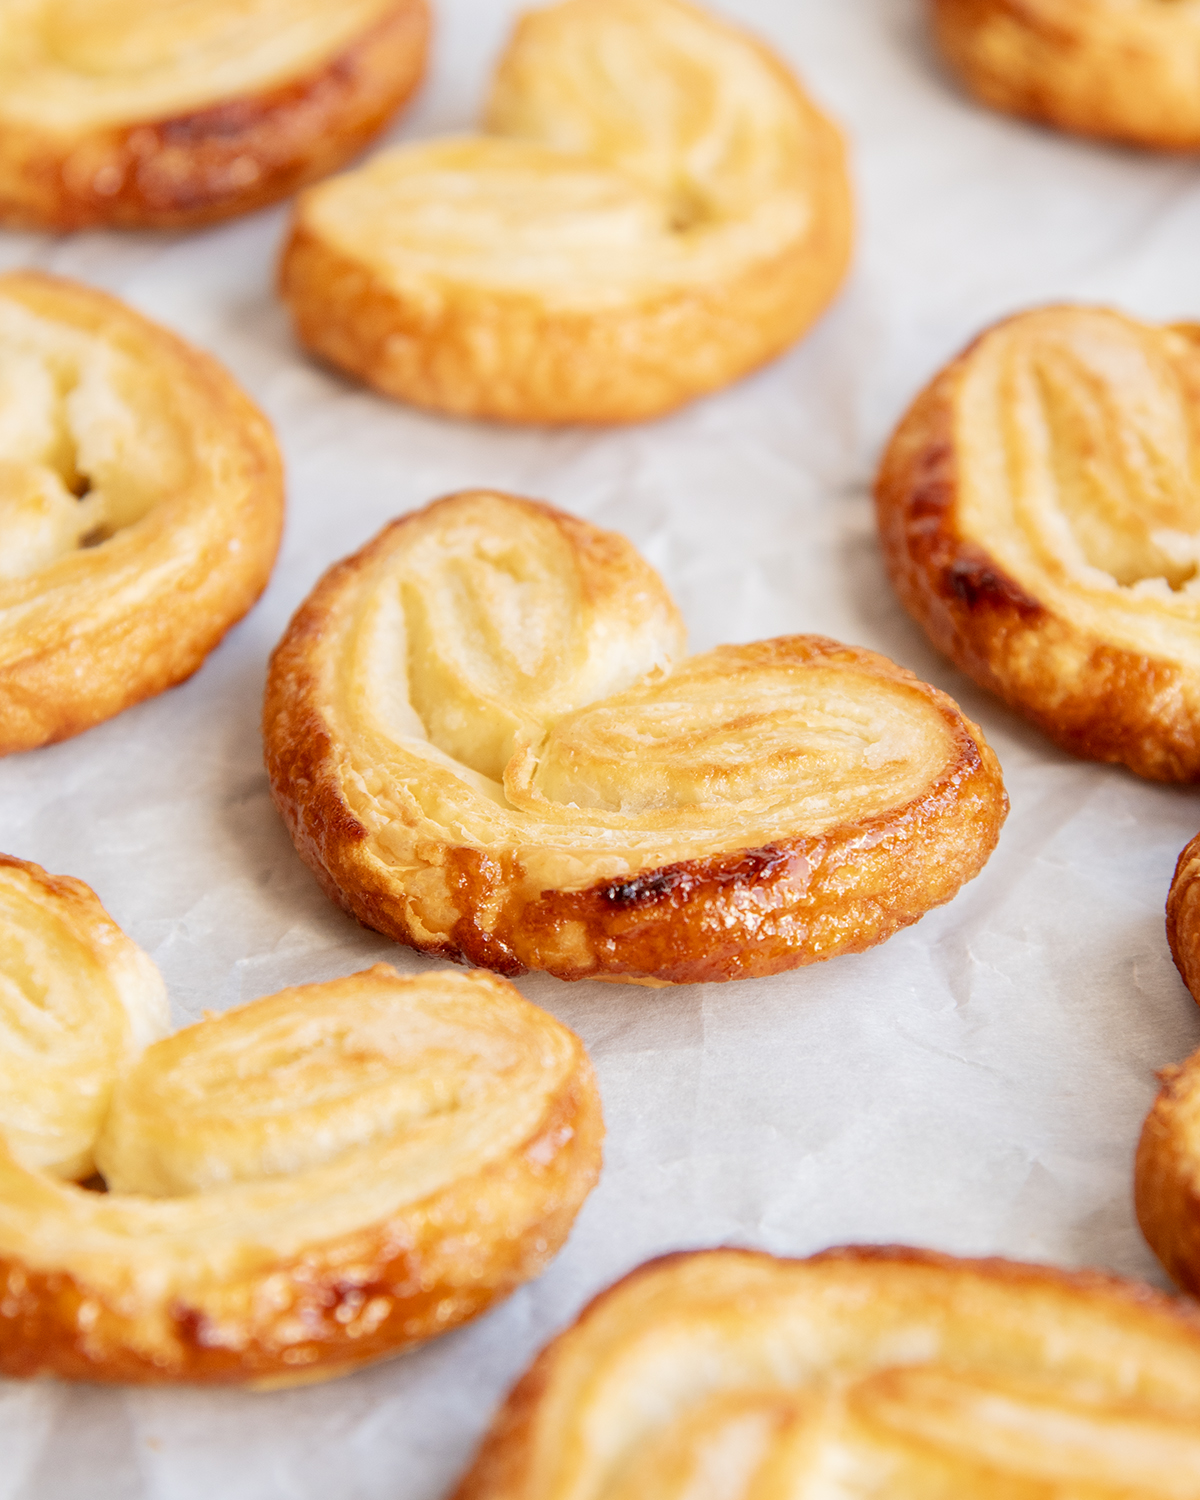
(487, 741)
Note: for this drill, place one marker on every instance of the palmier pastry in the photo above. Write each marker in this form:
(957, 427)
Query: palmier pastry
(1040, 514)
(655, 208)
(1167, 1178)
(485, 740)
(861, 1373)
(129, 113)
(296, 1187)
(141, 502)
(1183, 916)
(1127, 70)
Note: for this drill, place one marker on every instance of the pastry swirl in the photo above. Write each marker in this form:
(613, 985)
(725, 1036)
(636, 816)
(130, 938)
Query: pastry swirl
(167, 115)
(1125, 70)
(141, 503)
(484, 741)
(298, 1186)
(655, 208)
(860, 1373)
(1040, 517)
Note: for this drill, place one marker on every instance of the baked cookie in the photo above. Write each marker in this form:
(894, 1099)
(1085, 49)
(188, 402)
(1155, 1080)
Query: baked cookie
(1039, 508)
(141, 503)
(1167, 1175)
(655, 208)
(486, 741)
(119, 112)
(862, 1373)
(1183, 916)
(1127, 70)
(295, 1187)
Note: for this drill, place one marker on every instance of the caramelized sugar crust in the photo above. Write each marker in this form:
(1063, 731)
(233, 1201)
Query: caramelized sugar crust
(1039, 508)
(860, 1372)
(114, 112)
(141, 504)
(653, 208)
(486, 740)
(1121, 69)
(298, 1186)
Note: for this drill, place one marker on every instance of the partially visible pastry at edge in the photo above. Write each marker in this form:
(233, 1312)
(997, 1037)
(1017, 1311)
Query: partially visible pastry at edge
(1167, 1175)
(136, 114)
(487, 742)
(1183, 916)
(141, 504)
(655, 209)
(1126, 70)
(296, 1187)
(1039, 508)
(860, 1373)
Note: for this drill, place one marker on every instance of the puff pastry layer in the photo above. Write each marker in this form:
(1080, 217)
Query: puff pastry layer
(298, 1186)
(485, 740)
(1167, 1176)
(1128, 70)
(655, 208)
(165, 115)
(1039, 507)
(860, 1373)
(141, 503)
(1183, 916)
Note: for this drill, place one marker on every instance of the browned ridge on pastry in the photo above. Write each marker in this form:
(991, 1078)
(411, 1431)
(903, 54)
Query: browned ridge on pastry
(486, 740)
(860, 1374)
(1126, 70)
(654, 209)
(138, 113)
(1039, 508)
(1167, 1188)
(295, 1187)
(141, 503)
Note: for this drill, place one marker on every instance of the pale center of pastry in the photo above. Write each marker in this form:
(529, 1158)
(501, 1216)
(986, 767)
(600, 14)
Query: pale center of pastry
(1079, 471)
(77, 65)
(629, 147)
(88, 444)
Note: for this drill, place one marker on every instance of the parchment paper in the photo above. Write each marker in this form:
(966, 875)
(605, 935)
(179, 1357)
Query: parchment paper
(977, 1084)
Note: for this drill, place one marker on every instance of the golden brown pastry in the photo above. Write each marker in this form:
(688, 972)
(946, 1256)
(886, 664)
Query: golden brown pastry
(861, 1373)
(1039, 508)
(1128, 70)
(485, 739)
(295, 1187)
(1183, 916)
(141, 502)
(655, 208)
(1167, 1176)
(169, 113)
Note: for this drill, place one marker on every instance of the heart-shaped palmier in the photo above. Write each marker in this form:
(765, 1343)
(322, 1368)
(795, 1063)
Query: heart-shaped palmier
(1040, 516)
(295, 1187)
(654, 209)
(166, 115)
(1122, 69)
(486, 742)
(141, 502)
(861, 1373)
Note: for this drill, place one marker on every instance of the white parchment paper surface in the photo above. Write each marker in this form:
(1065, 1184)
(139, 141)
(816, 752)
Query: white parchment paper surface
(977, 1084)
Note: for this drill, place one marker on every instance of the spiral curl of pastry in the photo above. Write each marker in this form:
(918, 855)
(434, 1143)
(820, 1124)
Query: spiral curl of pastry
(181, 112)
(314, 1180)
(1124, 70)
(862, 1373)
(1039, 508)
(485, 740)
(654, 208)
(141, 504)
